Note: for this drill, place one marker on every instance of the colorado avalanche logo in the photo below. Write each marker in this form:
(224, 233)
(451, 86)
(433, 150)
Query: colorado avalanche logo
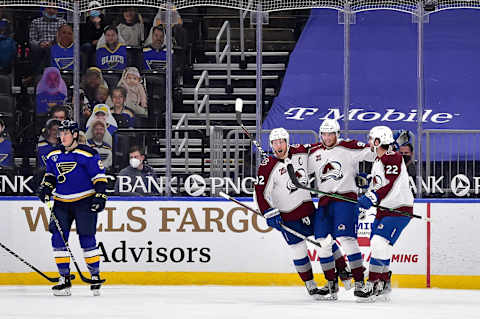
(301, 175)
(331, 170)
(377, 182)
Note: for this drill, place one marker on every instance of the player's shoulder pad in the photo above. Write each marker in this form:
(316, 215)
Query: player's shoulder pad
(54, 152)
(352, 144)
(298, 149)
(266, 165)
(391, 158)
(85, 150)
(315, 147)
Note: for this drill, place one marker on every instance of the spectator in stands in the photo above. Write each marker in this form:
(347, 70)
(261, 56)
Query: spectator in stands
(82, 138)
(102, 112)
(155, 53)
(42, 36)
(51, 91)
(122, 114)
(136, 98)
(61, 52)
(48, 141)
(6, 158)
(131, 27)
(59, 113)
(97, 141)
(111, 50)
(137, 169)
(102, 95)
(91, 32)
(407, 153)
(7, 47)
(178, 31)
(91, 81)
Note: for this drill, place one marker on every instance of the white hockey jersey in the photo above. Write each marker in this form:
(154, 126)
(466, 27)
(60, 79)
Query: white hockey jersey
(274, 189)
(335, 168)
(390, 182)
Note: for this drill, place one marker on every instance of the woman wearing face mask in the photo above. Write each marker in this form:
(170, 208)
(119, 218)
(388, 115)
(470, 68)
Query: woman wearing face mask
(128, 183)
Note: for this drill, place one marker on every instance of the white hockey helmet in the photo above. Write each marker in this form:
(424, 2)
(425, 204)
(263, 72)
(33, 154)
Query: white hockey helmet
(383, 134)
(329, 126)
(279, 133)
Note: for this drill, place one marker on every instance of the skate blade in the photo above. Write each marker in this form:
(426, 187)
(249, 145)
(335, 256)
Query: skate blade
(64, 292)
(326, 298)
(366, 300)
(347, 284)
(384, 298)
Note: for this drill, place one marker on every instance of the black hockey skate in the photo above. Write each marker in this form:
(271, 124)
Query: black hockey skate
(96, 287)
(63, 287)
(346, 277)
(365, 292)
(329, 291)
(384, 288)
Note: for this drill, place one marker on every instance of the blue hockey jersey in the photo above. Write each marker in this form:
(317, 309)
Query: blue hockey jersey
(76, 172)
(154, 60)
(112, 59)
(6, 159)
(62, 57)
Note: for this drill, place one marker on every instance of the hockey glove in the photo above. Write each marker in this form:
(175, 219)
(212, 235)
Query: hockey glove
(368, 200)
(45, 190)
(274, 219)
(98, 203)
(363, 180)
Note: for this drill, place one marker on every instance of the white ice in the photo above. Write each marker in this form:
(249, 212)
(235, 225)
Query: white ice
(227, 302)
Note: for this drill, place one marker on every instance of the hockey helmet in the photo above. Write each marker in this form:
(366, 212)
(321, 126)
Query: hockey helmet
(279, 133)
(68, 125)
(381, 133)
(329, 126)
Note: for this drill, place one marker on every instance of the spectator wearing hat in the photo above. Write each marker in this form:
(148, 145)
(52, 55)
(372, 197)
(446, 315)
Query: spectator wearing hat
(91, 32)
(102, 112)
(97, 141)
(51, 91)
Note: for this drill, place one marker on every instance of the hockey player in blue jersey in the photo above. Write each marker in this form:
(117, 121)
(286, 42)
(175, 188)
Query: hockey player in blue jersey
(76, 178)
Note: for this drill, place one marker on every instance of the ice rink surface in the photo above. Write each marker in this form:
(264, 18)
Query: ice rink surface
(224, 302)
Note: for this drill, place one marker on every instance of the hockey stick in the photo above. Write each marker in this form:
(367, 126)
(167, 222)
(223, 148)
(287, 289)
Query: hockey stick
(238, 114)
(51, 279)
(84, 279)
(288, 229)
(291, 173)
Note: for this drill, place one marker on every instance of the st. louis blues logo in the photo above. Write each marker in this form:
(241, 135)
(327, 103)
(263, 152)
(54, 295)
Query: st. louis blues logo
(156, 64)
(331, 170)
(64, 63)
(301, 175)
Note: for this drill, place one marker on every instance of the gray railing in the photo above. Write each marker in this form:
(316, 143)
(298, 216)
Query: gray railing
(226, 52)
(205, 103)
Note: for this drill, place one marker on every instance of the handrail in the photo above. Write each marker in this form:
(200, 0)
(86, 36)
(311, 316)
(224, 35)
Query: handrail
(227, 51)
(243, 14)
(205, 100)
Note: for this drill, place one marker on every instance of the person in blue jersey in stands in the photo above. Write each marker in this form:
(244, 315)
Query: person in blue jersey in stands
(48, 143)
(61, 53)
(51, 91)
(111, 51)
(155, 53)
(76, 179)
(6, 158)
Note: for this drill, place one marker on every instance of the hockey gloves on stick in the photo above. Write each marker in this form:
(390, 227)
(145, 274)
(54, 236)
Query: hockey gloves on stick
(274, 219)
(98, 203)
(368, 200)
(363, 180)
